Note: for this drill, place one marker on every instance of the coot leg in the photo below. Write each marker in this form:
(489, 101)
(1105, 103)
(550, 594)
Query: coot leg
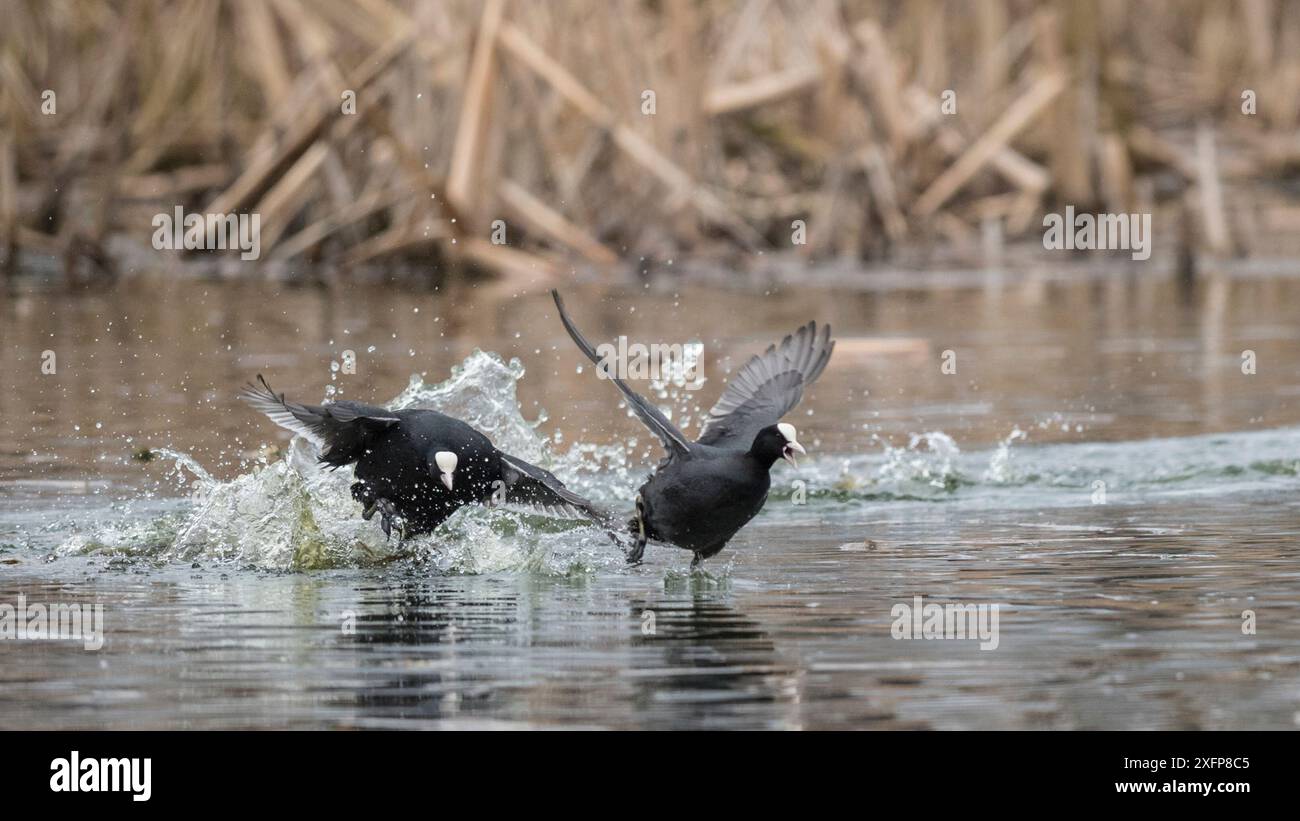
(363, 494)
(390, 519)
(638, 548)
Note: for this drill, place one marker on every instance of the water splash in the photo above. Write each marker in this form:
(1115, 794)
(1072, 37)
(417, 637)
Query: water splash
(927, 460)
(931, 468)
(677, 382)
(290, 513)
(482, 391)
(184, 462)
(999, 471)
(478, 540)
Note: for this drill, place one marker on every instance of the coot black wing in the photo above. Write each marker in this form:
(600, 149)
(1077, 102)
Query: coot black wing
(673, 439)
(767, 387)
(340, 430)
(527, 484)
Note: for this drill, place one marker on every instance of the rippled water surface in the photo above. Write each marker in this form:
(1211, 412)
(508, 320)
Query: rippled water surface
(1099, 467)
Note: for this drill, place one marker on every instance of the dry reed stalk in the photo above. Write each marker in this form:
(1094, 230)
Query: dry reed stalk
(542, 218)
(767, 112)
(1018, 115)
(1208, 183)
(679, 183)
(8, 206)
(464, 180)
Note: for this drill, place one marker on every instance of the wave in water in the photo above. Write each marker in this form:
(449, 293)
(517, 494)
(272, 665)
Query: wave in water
(290, 514)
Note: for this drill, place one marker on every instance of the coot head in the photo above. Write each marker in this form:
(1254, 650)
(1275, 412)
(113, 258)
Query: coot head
(774, 442)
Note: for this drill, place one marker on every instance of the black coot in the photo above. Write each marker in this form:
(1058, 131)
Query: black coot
(706, 490)
(416, 467)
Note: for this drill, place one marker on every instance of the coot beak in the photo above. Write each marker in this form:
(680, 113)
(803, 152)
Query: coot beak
(446, 480)
(787, 453)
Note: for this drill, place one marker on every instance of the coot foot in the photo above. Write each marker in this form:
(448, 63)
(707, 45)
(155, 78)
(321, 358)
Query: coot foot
(390, 519)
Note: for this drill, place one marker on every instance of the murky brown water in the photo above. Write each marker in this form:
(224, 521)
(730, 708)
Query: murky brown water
(1121, 359)
(1123, 610)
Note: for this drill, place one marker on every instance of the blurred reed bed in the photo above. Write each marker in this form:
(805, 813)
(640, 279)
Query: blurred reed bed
(617, 137)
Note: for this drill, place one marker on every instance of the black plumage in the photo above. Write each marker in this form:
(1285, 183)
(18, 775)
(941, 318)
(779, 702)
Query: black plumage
(416, 467)
(705, 491)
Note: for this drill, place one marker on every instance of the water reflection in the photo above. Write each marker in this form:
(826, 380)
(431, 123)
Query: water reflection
(1126, 613)
(703, 664)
